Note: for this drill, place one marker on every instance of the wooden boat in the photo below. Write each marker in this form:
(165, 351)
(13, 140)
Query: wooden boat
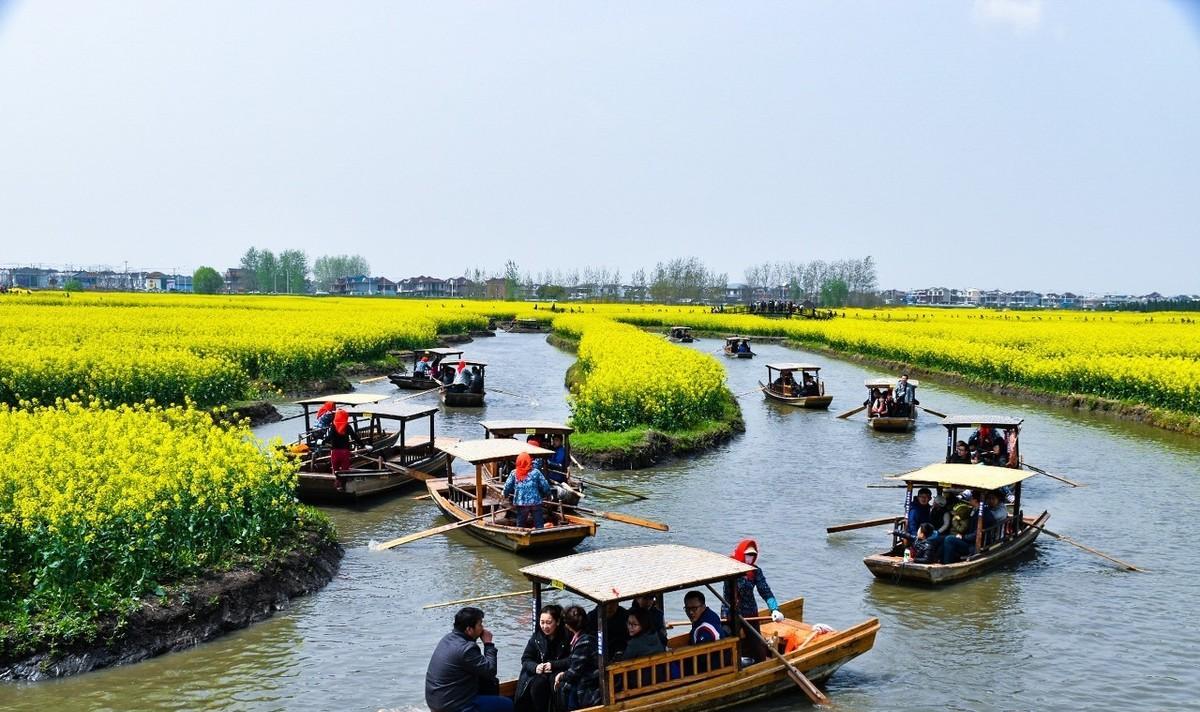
(690, 678)
(498, 527)
(809, 392)
(1010, 426)
(1007, 542)
(399, 452)
(893, 421)
(734, 344)
(414, 382)
(543, 432)
(680, 334)
(527, 326)
(471, 397)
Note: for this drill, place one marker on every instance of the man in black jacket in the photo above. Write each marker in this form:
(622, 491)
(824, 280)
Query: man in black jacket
(457, 669)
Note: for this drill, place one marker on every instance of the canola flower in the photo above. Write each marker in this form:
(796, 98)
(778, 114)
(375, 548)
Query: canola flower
(631, 378)
(101, 505)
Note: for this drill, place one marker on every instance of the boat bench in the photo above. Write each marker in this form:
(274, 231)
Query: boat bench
(674, 668)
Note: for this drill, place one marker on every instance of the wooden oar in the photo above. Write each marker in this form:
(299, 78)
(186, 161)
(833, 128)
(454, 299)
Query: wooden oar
(592, 483)
(1040, 471)
(492, 597)
(1072, 542)
(436, 530)
(861, 525)
(932, 411)
(752, 390)
(423, 496)
(814, 694)
(376, 379)
(417, 395)
(679, 624)
(625, 518)
(852, 411)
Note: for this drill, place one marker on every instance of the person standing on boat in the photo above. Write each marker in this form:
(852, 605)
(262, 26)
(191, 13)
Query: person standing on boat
(422, 367)
(462, 378)
(905, 396)
(458, 671)
(339, 438)
(545, 656)
(323, 421)
(747, 553)
(527, 487)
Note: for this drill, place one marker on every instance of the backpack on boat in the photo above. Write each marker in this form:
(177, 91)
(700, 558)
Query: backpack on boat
(960, 518)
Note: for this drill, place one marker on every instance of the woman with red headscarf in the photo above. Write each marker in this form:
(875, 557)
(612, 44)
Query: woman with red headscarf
(339, 438)
(323, 420)
(747, 553)
(526, 486)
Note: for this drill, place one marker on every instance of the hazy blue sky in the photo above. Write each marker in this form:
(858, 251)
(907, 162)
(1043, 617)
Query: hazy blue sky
(995, 143)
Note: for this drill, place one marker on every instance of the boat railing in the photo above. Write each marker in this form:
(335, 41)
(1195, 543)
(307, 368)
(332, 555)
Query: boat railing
(674, 668)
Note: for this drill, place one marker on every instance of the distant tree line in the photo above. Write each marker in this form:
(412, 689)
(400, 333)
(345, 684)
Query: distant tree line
(850, 282)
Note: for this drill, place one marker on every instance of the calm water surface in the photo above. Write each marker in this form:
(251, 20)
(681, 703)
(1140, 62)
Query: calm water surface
(1061, 630)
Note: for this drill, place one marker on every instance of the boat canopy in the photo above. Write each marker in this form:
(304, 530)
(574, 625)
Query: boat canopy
(620, 574)
(737, 338)
(528, 427)
(973, 476)
(681, 328)
(450, 363)
(345, 398)
(888, 382)
(481, 451)
(393, 411)
(440, 352)
(793, 367)
(974, 421)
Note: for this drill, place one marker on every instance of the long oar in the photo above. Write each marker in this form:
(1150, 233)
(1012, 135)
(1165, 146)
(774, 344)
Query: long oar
(417, 395)
(476, 599)
(861, 525)
(592, 483)
(852, 411)
(931, 411)
(1040, 471)
(746, 393)
(624, 518)
(814, 694)
(1072, 542)
(376, 379)
(431, 532)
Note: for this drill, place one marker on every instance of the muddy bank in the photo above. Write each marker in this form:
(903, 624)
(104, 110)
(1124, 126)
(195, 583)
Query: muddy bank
(191, 612)
(1138, 412)
(259, 412)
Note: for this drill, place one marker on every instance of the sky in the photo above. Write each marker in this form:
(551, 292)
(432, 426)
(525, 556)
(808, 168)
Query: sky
(1012, 144)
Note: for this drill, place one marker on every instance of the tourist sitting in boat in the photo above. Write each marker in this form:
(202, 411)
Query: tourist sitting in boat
(339, 438)
(655, 618)
(919, 511)
(643, 638)
(422, 367)
(579, 685)
(939, 515)
(962, 454)
(994, 456)
(747, 553)
(476, 380)
(546, 655)
(743, 347)
(527, 487)
(883, 406)
(810, 386)
(462, 379)
(927, 545)
(994, 501)
(706, 624)
(556, 470)
(961, 544)
(616, 632)
(459, 676)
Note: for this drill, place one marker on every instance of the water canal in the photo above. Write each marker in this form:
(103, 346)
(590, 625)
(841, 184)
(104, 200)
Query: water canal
(1060, 631)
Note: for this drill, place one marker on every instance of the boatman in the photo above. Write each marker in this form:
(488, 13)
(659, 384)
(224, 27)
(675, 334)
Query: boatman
(458, 673)
(747, 553)
(905, 395)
